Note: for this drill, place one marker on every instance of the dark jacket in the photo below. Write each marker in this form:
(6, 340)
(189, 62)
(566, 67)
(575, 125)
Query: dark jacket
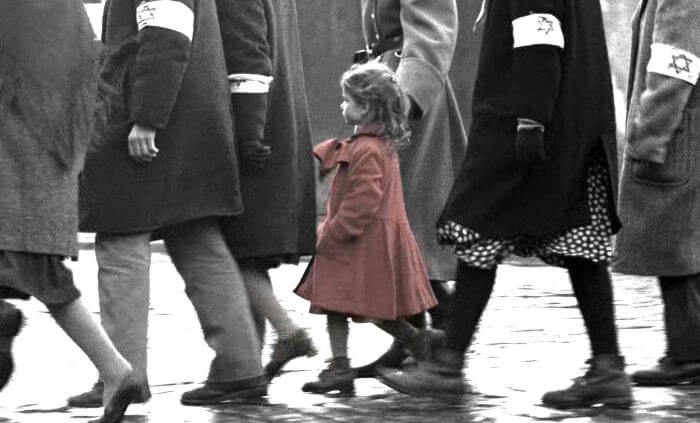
(562, 83)
(427, 32)
(660, 186)
(261, 39)
(174, 81)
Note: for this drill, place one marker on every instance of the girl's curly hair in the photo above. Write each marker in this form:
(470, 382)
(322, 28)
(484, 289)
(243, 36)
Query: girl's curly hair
(377, 86)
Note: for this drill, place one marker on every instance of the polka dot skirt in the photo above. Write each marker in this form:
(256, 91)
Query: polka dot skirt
(591, 242)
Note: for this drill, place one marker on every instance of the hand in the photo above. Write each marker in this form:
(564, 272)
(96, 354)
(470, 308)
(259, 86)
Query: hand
(142, 143)
(529, 146)
(255, 154)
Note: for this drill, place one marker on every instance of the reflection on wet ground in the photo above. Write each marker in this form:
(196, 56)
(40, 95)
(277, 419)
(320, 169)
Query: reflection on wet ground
(531, 340)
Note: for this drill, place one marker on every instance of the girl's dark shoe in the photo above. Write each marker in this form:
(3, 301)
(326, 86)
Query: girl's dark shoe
(286, 349)
(93, 397)
(219, 392)
(10, 324)
(338, 376)
(440, 377)
(668, 372)
(605, 383)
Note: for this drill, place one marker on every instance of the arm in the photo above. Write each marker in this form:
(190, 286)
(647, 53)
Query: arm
(244, 30)
(360, 205)
(671, 77)
(164, 41)
(429, 38)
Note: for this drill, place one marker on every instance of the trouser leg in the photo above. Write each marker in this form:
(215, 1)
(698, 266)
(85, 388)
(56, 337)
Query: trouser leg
(264, 303)
(593, 290)
(123, 286)
(681, 297)
(215, 287)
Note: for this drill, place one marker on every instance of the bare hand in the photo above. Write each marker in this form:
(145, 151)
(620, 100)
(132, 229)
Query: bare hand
(142, 143)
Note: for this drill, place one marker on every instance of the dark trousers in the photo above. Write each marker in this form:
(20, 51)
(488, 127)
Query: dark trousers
(681, 296)
(592, 287)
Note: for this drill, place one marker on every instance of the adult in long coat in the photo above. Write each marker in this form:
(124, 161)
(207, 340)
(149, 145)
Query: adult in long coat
(48, 87)
(417, 39)
(263, 61)
(166, 166)
(537, 180)
(660, 187)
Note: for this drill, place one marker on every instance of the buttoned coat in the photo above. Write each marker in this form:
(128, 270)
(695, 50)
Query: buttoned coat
(174, 82)
(48, 82)
(428, 31)
(564, 85)
(660, 185)
(261, 38)
(368, 263)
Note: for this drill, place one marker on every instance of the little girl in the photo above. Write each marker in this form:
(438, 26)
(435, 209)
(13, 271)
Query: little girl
(367, 264)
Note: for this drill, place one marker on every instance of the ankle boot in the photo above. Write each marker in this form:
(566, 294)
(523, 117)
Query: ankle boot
(287, 349)
(10, 324)
(392, 358)
(425, 344)
(338, 376)
(440, 377)
(605, 382)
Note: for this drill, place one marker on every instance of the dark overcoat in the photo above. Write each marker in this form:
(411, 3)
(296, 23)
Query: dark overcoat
(261, 38)
(175, 81)
(48, 86)
(368, 263)
(660, 185)
(427, 34)
(566, 86)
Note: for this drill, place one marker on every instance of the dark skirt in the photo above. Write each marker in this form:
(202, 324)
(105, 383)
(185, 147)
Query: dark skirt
(43, 276)
(591, 242)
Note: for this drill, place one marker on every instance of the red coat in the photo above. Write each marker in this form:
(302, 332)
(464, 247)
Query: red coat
(367, 262)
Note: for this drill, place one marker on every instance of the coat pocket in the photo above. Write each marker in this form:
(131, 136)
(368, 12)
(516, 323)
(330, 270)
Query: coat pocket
(676, 170)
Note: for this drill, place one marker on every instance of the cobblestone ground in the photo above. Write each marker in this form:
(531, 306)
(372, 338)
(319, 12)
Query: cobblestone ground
(531, 340)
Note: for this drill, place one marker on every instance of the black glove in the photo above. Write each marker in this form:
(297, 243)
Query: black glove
(255, 154)
(529, 144)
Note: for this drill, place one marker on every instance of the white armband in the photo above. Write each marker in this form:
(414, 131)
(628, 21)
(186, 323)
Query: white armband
(168, 14)
(537, 29)
(674, 62)
(249, 83)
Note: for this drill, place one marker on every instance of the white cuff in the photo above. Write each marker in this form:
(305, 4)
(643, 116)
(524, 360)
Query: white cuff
(674, 62)
(168, 14)
(537, 29)
(249, 83)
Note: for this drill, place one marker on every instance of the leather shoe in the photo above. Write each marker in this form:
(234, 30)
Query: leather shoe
(10, 324)
(93, 397)
(219, 392)
(668, 372)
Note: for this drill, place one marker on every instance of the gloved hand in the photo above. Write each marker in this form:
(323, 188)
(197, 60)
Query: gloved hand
(255, 154)
(529, 143)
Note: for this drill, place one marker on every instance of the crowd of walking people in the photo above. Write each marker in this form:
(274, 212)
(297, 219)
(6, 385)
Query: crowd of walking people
(188, 119)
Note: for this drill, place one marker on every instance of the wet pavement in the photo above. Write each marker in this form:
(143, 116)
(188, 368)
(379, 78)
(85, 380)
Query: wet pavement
(531, 340)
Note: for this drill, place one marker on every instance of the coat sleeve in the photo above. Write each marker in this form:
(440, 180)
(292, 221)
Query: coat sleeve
(671, 76)
(429, 39)
(165, 30)
(244, 30)
(538, 42)
(360, 205)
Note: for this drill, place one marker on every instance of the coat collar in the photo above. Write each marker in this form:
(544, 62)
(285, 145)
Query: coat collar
(331, 152)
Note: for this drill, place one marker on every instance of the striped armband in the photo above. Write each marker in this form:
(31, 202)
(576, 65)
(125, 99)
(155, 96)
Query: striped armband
(249, 83)
(168, 14)
(537, 29)
(674, 62)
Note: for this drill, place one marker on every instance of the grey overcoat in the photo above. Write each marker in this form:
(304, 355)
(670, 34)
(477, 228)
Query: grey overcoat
(428, 32)
(660, 185)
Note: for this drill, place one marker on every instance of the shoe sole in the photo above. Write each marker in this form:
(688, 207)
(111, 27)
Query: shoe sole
(690, 380)
(244, 394)
(345, 389)
(612, 402)
(448, 398)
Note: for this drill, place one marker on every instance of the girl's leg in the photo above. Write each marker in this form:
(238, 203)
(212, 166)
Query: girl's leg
(75, 320)
(338, 330)
(338, 376)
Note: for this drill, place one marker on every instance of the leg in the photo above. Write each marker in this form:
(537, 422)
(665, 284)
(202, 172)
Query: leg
(10, 324)
(123, 275)
(338, 376)
(681, 297)
(418, 343)
(215, 287)
(439, 315)
(605, 382)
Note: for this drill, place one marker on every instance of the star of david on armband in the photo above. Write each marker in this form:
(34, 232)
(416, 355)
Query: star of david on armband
(674, 62)
(537, 29)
